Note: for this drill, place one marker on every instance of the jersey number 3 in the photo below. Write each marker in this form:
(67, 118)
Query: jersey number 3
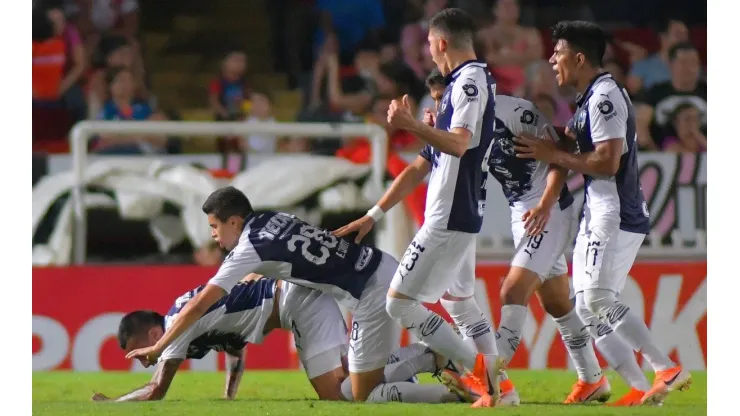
(308, 234)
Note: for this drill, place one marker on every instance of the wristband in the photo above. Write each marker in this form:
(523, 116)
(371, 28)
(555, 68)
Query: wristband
(375, 213)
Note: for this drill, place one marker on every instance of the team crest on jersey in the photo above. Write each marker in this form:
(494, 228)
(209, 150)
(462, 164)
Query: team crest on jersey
(445, 100)
(581, 120)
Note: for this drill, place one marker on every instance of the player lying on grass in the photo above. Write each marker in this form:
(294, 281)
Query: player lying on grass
(284, 247)
(248, 313)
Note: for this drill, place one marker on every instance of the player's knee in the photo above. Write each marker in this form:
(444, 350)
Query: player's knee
(518, 286)
(601, 303)
(399, 309)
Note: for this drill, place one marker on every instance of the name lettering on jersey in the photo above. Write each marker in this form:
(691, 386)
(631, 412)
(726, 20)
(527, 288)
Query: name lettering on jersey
(365, 255)
(275, 226)
(417, 246)
(343, 247)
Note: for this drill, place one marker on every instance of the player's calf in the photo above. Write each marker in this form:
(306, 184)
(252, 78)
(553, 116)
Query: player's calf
(516, 290)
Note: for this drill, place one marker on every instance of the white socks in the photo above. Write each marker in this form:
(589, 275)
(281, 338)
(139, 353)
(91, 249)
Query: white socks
(510, 330)
(407, 362)
(605, 305)
(411, 393)
(471, 322)
(578, 342)
(431, 329)
(615, 351)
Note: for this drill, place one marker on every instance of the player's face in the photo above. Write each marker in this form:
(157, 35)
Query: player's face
(437, 48)
(225, 233)
(144, 341)
(437, 92)
(566, 63)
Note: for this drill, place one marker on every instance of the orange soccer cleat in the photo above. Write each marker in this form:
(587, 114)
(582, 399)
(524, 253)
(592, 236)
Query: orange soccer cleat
(587, 392)
(479, 382)
(633, 398)
(666, 381)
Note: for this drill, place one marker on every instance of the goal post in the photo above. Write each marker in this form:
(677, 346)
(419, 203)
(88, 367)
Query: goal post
(82, 133)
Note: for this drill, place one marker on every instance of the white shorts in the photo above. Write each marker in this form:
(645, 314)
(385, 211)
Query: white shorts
(373, 334)
(318, 328)
(603, 259)
(437, 261)
(543, 253)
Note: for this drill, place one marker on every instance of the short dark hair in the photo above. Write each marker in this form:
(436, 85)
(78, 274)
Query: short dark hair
(682, 46)
(226, 202)
(585, 37)
(435, 79)
(136, 323)
(664, 24)
(456, 25)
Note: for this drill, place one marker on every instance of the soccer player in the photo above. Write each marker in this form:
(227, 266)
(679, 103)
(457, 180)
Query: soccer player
(246, 315)
(615, 218)
(541, 222)
(440, 262)
(284, 247)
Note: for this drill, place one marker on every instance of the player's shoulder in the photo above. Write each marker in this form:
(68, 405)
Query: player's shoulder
(507, 105)
(473, 74)
(606, 95)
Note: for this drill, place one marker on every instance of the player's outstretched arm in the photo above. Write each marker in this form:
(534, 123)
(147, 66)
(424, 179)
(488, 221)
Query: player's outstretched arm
(234, 372)
(156, 389)
(403, 185)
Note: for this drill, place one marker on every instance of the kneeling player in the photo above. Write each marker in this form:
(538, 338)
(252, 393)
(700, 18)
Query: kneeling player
(284, 247)
(250, 311)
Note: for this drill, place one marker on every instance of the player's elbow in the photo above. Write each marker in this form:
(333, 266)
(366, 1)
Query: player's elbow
(459, 150)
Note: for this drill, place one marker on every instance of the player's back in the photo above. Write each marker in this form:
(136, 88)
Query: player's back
(456, 192)
(291, 249)
(523, 180)
(235, 320)
(605, 112)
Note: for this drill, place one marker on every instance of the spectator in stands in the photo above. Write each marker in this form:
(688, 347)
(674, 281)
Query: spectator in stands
(541, 84)
(100, 18)
(690, 135)
(655, 69)
(509, 48)
(123, 105)
(345, 23)
(260, 111)
(69, 90)
(116, 52)
(391, 79)
(414, 38)
(48, 59)
(657, 104)
(227, 93)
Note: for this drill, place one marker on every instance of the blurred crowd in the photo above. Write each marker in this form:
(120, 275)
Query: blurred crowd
(350, 58)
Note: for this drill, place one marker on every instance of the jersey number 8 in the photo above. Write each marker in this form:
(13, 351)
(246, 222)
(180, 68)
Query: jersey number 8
(307, 234)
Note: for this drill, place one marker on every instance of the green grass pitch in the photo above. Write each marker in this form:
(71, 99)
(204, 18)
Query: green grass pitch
(289, 393)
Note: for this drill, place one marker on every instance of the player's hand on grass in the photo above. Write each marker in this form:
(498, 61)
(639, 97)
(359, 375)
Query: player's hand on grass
(361, 227)
(429, 117)
(399, 113)
(529, 146)
(148, 356)
(100, 397)
(535, 220)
